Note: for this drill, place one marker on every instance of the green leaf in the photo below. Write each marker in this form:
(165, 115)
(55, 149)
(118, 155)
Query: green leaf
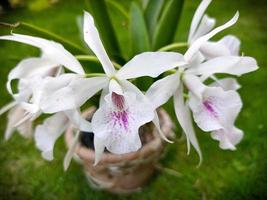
(167, 26)
(144, 3)
(120, 16)
(118, 7)
(138, 30)
(152, 13)
(102, 20)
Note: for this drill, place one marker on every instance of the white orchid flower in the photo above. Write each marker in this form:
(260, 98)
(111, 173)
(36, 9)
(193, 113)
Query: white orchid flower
(123, 107)
(230, 135)
(213, 108)
(202, 24)
(16, 114)
(173, 85)
(61, 95)
(39, 77)
(31, 71)
(47, 134)
(24, 72)
(228, 138)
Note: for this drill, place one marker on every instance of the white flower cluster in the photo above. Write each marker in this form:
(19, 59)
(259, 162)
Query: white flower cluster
(44, 87)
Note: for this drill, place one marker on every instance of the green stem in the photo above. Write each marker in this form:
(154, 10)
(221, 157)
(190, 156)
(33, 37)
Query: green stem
(44, 32)
(169, 72)
(94, 75)
(173, 46)
(94, 59)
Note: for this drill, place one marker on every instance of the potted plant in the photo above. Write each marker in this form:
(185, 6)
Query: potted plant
(121, 140)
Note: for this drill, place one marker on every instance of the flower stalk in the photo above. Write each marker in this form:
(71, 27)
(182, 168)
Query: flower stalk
(94, 59)
(174, 46)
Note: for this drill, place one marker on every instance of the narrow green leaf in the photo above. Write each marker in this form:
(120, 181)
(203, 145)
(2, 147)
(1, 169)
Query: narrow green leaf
(138, 30)
(144, 3)
(152, 13)
(167, 26)
(118, 7)
(99, 11)
(120, 17)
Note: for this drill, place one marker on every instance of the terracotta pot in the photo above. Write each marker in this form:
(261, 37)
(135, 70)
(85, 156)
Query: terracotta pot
(128, 172)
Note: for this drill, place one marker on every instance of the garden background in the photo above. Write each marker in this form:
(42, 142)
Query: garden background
(241, 174)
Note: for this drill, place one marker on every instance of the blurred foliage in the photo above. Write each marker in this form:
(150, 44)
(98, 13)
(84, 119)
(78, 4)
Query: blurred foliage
(33, 5)
(241, 174)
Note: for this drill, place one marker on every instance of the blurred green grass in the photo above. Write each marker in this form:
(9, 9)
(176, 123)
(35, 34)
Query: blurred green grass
(241, 174)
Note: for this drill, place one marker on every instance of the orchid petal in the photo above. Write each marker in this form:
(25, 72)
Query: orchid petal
(232, 43)
(194, 85)
(198, 43)
(216, 109)
(8, 107)
(71, 151)
(92, 38)
(102, 96)
(28, 68)
(183, 116)
(214, 49)
(30, 108)
(162, 90)
(14, 115)
(228, 138)
(227, 46)
(226, 84)
(197, 59)
(233, 65)
(117, 121)
(47, 134)
(205, 26)
(150, 64)
(120, 132)
(128, 86)
(157, 125)
(197, 17)
(24, 119)
(52, 50)
(67, 92)
(24, 90)
(78, 121)
(99, 145)
(115, 87)
(30, 95)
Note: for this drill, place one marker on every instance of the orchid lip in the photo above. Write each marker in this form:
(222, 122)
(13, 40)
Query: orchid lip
(120, 118)
(118, 100)
(210, 107)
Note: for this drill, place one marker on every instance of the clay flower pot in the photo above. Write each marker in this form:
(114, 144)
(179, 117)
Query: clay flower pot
(128, 172)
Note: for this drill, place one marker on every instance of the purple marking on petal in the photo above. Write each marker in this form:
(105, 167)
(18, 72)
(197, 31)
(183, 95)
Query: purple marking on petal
(120, 118)
(118, 100)
(210, 107)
